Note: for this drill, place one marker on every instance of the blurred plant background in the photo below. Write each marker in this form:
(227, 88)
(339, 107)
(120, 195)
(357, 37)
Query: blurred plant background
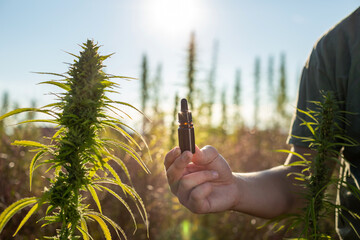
(247, 148)
(239, 68)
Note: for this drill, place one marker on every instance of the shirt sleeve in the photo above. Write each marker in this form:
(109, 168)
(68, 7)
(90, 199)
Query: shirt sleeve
(313, 81)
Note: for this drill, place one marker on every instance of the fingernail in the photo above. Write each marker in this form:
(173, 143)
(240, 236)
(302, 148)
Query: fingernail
(187, 155)
(215, 174)
(177, 151)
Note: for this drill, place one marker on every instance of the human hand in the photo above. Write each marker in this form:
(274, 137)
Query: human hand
(203, 182)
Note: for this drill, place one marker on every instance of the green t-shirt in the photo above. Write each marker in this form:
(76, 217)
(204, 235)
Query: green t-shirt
(334, 65)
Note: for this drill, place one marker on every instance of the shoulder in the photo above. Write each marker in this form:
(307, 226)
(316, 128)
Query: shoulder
(337, 45)
(344, 34)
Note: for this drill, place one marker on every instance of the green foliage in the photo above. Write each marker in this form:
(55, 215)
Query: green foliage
(256, 92)
(144, 86)
(156, 89)
(7, 214)
(237, 99)
(191, 71)
(281, 96)
(77, 155)
(270, 77)
(327, 140)
(211, 82)
(174, 120)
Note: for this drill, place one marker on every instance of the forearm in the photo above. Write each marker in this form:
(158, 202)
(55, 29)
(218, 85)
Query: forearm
(268, 193)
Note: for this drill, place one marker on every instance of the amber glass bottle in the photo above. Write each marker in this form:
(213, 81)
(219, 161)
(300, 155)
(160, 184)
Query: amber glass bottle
(186, 128)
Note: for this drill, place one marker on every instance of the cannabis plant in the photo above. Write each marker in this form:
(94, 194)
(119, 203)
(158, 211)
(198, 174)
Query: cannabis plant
(328, 138)
(77, 154)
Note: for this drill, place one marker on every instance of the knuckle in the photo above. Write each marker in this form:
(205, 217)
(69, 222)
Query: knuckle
(210, 152)
(210, 149)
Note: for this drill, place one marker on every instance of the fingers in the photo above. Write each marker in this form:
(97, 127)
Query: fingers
(171, 156)
(191, 180)
(191, 186)
(177, 168)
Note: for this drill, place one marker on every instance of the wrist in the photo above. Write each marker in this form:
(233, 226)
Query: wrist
(238, 186)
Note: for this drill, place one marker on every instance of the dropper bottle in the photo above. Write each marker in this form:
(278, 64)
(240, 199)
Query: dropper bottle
(186, 128)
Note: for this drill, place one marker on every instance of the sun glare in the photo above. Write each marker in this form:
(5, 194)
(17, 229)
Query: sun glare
(173, 18)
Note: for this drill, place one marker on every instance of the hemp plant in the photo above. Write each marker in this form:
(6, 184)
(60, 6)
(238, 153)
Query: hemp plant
(328, 139)
(77, 154)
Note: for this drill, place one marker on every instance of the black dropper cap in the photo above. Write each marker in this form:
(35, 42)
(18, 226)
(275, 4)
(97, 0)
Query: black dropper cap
(184, 105)
(184, 115)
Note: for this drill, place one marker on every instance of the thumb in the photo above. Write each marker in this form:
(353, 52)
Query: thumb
(205, 156)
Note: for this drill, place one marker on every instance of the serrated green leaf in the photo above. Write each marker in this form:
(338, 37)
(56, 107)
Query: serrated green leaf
(120, 163)
(112, 171)
(122, 131)
(122, 77)
(58, 133)
(299, 179)
(308, 114)
(292, 152)
(64, 86)
(74, 55)
(102, 224)
(56, 104)
(21, 110)
(112, 123)
(84, 229)
(39, 121)
(14, 208)
(126, 104)
(33, 163)
(28, 215)
(111, 108)
(122, 201)
(127, 149)
(50, 73)
(94, 196)
(27, 143)
(111, 222)
(107, 83)
(133, 194)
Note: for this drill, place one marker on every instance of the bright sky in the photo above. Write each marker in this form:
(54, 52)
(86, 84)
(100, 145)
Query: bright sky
(34, 35)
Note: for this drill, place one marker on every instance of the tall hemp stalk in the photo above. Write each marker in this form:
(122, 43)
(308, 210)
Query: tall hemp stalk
(175, 119)
(238, 123)
(191, 71)
(79, 157)
(270, 78)
(224, 121)
(211, 82)
(256, 92)
(156, 85)
(144, 89)
(282, 97)
(327, 140)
